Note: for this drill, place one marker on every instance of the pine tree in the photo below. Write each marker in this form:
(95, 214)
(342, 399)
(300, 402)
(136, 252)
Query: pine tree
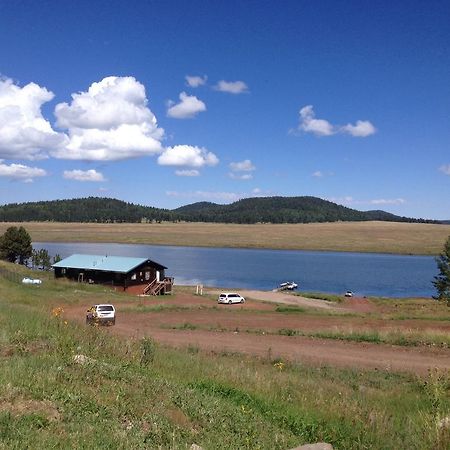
(442, 281)
(15, 245)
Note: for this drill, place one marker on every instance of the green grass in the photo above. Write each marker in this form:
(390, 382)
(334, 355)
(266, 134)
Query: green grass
(136, 394)
(381, 237)
(322, 296)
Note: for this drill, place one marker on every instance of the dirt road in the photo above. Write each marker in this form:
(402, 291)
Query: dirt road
(253, 328)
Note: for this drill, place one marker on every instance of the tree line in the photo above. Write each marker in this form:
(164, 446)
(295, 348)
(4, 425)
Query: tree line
(16, 247)
(245, 211)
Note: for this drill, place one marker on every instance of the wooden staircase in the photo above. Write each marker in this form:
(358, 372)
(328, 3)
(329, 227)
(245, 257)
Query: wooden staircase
(157, 287)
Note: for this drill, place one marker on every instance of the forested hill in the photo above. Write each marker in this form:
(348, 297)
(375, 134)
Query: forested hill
(91, 209)
(250, 210)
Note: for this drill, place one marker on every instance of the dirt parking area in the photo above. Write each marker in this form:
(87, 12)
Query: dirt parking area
(259, 328)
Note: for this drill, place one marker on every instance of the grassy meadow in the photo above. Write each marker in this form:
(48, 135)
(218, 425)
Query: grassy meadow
(133, 393)
(383, 237)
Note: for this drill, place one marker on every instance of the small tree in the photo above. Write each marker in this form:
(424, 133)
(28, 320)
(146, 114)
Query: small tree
(442, 281)
(15, 245)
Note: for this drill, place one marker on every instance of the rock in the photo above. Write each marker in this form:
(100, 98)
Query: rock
(195, 447)
(316, 446)
(83, 359)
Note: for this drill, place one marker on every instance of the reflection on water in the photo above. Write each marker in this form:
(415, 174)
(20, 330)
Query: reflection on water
(362, 273)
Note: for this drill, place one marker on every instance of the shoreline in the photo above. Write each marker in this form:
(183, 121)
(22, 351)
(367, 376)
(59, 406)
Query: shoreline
(390, 238)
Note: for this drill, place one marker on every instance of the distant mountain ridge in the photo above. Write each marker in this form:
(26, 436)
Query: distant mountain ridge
(249, 210)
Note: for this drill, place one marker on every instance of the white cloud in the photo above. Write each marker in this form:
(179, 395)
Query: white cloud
(187, 173)
(20, 172)
(232, 87)
(387, 201)
(196, 81)
(242, 166)
(363, 128)
(317, 174)
(188, 107)
(110, 121)
(244, 176)
(445, 169)
(187, 155)
(206, 195)
(84, 175)
(379, 201)
(321, 127)
(24, 133)
(309, 124)
(226, 197)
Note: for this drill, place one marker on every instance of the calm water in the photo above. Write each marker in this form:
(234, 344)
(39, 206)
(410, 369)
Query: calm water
(333, 272)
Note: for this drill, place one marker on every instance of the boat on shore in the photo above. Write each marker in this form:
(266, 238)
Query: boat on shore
(287, 286)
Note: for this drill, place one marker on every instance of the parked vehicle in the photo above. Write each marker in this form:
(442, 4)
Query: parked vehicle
(349, 294)
(288, 285)
(101, 314)
(230, 297)
(31, 281)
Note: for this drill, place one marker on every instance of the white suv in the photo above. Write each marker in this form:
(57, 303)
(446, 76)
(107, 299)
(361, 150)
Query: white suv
(101, 314)
(230, 297)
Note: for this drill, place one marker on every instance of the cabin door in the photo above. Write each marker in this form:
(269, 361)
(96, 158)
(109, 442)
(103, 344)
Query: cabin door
(158, 275)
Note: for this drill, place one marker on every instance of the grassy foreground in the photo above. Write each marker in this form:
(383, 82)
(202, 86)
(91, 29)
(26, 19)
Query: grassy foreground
(136, 394)
(383, 237)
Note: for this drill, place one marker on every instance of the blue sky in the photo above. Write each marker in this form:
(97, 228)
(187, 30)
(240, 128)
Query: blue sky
(165, 103)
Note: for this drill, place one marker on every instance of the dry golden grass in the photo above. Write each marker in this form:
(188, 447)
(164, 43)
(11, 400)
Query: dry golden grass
(385, 237)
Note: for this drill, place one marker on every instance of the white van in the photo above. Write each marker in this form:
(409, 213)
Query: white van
(101, 314)
(230, 297)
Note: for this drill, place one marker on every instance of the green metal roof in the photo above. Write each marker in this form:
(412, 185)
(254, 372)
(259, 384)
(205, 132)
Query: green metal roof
(122, 264)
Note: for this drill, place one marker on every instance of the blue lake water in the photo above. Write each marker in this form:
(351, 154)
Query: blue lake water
(371, 274)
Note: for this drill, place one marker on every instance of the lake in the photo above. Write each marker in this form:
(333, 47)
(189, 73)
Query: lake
(370, 274)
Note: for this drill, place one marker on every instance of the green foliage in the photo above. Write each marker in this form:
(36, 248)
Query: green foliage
(56, 258)
(148, 348)
(442, 281)
(15, 245)
(41, 259)
(245, 211)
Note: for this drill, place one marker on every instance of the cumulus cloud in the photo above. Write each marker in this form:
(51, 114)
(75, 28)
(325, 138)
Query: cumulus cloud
(309, 124)
(237, 168)
(242, 166)
(232, 87)
(363, 128)
(24, 133)
(322, 127)
(110, 121)
(84, 175)
(445, 169)
(187, 173)
(188, 107)
(20, 172)
(188, 156)
(240, 176)
(196, 81)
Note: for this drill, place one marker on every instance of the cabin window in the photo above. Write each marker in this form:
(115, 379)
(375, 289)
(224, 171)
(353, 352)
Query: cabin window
(133, 277)
(63, 271)
(147, 275)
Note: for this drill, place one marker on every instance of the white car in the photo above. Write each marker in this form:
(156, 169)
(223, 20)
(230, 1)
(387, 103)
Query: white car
(101, 314)
(31, 281)
(230, 297)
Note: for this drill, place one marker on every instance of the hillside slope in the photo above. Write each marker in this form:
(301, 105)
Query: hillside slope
(245, 211)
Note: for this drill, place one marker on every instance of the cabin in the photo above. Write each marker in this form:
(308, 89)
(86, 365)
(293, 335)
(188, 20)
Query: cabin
(134, 275)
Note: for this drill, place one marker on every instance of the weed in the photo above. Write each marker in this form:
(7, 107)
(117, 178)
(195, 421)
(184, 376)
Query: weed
(148, 347)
